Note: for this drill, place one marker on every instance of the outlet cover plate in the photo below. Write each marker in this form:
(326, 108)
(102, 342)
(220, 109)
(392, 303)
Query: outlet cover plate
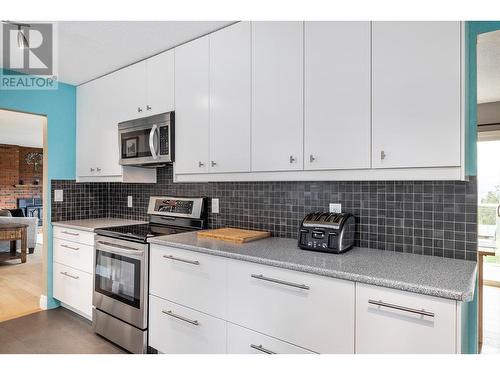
(58, 195)
(336, 208)
(215, 205)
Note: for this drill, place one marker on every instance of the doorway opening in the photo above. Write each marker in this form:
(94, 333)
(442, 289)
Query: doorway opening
(23, 213)
(488, 188)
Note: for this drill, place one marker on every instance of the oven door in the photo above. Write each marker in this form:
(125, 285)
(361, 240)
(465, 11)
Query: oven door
(120, 282)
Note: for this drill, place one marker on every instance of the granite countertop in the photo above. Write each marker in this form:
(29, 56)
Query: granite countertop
(430, 275)
(92, 224)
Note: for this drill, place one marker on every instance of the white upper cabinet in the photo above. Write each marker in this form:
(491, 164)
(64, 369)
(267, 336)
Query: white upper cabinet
(416, 94)
(277, 92)
(230, 88)
(337, 95)
(130, 88)
(192, 110)
(160, 84)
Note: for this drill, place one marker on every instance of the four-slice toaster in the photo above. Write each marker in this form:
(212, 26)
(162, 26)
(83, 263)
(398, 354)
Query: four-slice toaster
(327, 232)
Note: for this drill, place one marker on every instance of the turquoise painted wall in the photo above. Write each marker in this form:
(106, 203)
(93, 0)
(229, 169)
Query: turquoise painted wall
(60, 108)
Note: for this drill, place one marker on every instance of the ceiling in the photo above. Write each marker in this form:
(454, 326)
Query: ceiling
(488, 67)
(90, 49)
(21, 129)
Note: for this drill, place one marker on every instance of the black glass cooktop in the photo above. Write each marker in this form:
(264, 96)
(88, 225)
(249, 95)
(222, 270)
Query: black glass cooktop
(139, 232)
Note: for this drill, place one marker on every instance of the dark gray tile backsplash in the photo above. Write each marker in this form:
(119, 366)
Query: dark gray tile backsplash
(424, 217)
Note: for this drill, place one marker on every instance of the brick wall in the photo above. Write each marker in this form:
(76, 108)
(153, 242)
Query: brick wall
(13, 169)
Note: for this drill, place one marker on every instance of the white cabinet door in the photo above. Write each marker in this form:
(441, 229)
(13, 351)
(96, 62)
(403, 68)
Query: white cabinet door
(310, 311)
(74, 288)
(192, 107)
(277, 91)
(203, 279)
(416, 94)
(130, 92)
(245, 341)
(390, 329)
(337, 95)
(160, 83)
(90, 101)
(175, 329)
(230, 99)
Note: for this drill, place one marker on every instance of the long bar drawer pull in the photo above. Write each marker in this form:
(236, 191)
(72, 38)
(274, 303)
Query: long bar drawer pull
(195, 262)
(70, 233)
(67, 274)
(260, 348)
(401, 308)
(170, 313)
(277, 281)
(70, 247)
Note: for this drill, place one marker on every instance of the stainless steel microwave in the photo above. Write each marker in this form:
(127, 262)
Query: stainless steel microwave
(147, 141)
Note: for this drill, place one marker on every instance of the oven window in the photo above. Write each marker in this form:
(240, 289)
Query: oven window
(118, 277)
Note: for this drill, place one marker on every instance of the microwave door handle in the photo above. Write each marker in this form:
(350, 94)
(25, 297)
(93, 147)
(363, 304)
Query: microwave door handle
(152, 147)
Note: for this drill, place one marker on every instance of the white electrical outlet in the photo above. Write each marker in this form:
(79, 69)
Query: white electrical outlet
(335, 208)
(58, 195)
(215, 205)
(129, 201)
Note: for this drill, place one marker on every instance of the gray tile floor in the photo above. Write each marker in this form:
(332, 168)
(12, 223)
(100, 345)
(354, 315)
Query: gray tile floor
(57, 331)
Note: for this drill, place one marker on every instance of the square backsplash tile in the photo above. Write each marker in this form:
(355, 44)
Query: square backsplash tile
(423, 217)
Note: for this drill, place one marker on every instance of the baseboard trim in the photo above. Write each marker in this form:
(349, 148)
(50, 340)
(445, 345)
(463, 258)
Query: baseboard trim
(43, 302)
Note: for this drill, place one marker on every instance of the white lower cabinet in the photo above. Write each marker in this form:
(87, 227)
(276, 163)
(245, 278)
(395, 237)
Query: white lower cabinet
(294, 306)
(245, 341)
(73, 288)
(176, 329)
(393, 321)
(202, 303)
(73, 268)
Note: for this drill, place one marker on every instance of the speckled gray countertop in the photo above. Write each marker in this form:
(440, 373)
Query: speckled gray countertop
(90, 225)
(434, 276)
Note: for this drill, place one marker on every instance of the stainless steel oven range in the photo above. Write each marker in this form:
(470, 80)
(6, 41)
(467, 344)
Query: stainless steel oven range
(120, 300)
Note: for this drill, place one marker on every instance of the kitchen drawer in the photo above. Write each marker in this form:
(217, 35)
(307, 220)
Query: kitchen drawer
(74, 288)
(75, 255)
(186, 331)
(189, 278)
(313, 312)
(389, 329)
(245, 341)
(80, 236)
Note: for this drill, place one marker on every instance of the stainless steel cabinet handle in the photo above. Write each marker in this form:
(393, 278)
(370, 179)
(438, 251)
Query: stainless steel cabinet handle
(70, 233)
(292, 159)
(195, 262)
(277, 281)
(92, 169)
(70, 247)
(139, 109)
(382, 155)
(311, 158)
(67, 274)
(148, 107)
(170, 313)
(200, 164)
(401, 308)
(98, 169)
(213, 163)
(260, 348)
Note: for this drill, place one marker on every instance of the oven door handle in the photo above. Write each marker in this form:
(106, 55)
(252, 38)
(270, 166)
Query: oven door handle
(154, 152)
(118, 249)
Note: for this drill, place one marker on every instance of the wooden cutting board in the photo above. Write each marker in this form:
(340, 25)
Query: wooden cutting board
(234, 234)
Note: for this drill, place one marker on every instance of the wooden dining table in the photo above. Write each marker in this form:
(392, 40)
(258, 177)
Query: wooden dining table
(12, 233)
